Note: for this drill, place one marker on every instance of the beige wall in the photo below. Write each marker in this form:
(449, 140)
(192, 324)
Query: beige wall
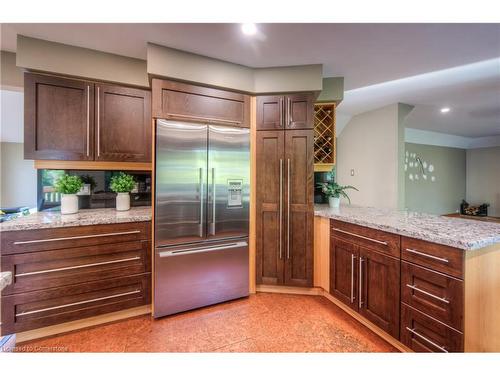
(45, 56)
(483, 178)
(369, 145)
(11, 77)
(333, 90)
(18, 180)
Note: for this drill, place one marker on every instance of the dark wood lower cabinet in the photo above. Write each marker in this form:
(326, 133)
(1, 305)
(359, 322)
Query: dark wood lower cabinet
(344, 272)
(285, 211)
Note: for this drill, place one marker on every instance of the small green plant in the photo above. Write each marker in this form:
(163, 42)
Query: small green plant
(332, 189)
(122, 183)
(67, 184)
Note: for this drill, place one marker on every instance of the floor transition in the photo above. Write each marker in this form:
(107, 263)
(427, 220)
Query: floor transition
(261, 323)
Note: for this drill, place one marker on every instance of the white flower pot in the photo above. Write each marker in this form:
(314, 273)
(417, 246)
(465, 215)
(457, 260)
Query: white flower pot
(122, 202)
(69, 204)
(334, 202)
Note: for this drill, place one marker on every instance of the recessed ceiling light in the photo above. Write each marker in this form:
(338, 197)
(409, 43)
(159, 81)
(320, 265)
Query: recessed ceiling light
(248, 28)
(445, 110)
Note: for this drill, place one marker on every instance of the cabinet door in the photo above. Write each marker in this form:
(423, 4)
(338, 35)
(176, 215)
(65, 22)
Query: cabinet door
(270, 112)
(270, 207)
(344, 271)
(299, 111)
(123, 124)
(299, 203)
(58, 118)
(378, 289)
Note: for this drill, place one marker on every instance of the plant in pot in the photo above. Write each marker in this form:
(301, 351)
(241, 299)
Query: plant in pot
(122, 184)
(68, 186)
(334, 192)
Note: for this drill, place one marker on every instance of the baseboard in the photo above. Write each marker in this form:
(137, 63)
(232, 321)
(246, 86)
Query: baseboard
(317, 291)
(82, 323)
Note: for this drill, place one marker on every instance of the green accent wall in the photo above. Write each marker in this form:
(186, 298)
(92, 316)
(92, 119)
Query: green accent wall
(443, 195)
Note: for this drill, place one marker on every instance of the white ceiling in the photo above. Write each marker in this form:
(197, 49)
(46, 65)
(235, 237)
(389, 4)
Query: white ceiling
(381, 63)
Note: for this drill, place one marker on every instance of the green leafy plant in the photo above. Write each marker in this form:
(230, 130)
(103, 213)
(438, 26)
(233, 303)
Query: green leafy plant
(332, 189)
(67, 184)
(122, 183)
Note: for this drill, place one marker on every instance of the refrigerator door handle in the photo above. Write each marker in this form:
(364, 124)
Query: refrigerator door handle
(213, 202)
(195, 250)
(201, 202)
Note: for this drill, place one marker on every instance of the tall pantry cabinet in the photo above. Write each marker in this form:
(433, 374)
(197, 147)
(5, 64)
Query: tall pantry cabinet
(285, 189)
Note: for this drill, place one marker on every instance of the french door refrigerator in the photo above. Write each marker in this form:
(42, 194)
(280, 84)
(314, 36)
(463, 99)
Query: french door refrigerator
(201, 215)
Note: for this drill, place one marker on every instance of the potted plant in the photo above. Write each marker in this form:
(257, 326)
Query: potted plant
(122, 184)
(334, 192)
(68, 186)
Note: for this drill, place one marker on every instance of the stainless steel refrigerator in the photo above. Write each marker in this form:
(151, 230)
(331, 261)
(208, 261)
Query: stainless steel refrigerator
(201, 215)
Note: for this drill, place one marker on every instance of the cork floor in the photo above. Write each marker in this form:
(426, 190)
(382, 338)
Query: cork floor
(261, 323)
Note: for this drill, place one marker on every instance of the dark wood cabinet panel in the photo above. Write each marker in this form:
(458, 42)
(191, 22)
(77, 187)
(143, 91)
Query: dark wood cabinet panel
(344, 271)
(383, 242)
(269, 221)
(123, 124)
(270, 112)
(378, 289)
(422, 333)
(58, 118)
(433, 293)
(26, 311)
(446, 259)
(300, 207)
(181, 101)
(299, 111)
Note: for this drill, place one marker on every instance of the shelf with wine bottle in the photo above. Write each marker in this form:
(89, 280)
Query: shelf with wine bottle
(324, 136)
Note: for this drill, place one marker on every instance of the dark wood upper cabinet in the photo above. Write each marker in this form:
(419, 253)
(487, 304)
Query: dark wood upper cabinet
(123, 124)
(299, 198)
(344, 271)
(379, 289)
(294, 111)
(185, 102)
(270, 112)
(58, 118)
(270, 246)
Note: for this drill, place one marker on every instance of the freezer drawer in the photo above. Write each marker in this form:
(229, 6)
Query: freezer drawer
(192, 276)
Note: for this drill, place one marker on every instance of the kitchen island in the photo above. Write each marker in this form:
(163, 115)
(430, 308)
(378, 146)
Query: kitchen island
(430, 282)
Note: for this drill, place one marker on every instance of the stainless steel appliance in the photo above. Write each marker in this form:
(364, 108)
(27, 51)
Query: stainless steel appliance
(201, 215)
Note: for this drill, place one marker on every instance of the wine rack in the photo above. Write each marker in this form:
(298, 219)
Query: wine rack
(324, 136)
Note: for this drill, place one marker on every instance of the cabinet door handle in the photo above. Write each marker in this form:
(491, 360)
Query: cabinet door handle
(353, 257)
(444, 260)
(360, 299)
(427, 293)
(288, 211)
(98, 123)
(78, 303)
(204, 119)
(289, 111)
(281, 207)
(201, 201)
(282, 120)
(441, 348)
(77, 237)
(360, 236)
(88, 120)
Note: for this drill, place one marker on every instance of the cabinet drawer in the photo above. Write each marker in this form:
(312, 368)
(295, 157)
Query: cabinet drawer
(175, 100)
(17, 242)
(26, 311)
(421, 333)
(384, 242)
(440, 258)
(435, 294)
(55, 268)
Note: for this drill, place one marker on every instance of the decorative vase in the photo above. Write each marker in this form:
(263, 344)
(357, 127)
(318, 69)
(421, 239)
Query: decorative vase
(334, 202)
(122, 202)
(69, 204)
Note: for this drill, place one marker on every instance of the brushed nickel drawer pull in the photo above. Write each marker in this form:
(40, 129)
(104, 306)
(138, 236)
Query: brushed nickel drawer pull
(360, 236)
(444, 260)
(427, 340)
(77, 237)
(79, 303)
(205, 119)
(195, 250)
(360, 299)
(353, 257)
(427, 293)
(77, 267)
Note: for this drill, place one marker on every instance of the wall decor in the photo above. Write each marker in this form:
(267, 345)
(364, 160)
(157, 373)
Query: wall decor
(418, 169)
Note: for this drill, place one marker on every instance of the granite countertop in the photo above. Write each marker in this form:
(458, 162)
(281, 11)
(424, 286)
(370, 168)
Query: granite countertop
(48, 219)
(460, 233)
(5, 279)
